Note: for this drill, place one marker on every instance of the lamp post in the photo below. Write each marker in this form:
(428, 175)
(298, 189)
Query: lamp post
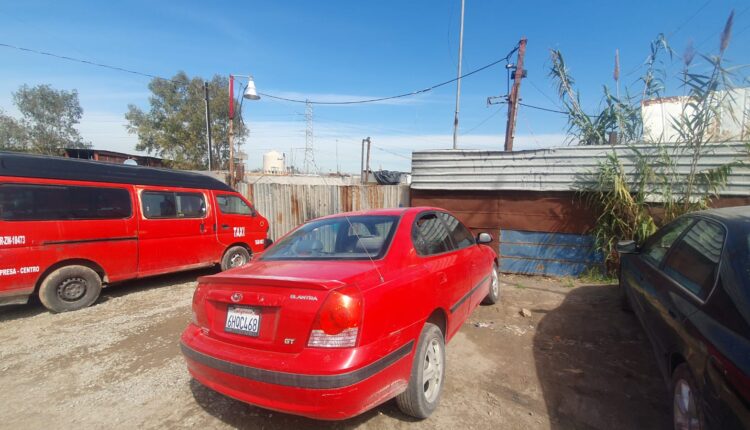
(251, 94)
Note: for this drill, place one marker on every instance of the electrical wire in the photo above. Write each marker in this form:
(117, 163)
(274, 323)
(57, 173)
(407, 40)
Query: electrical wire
(398, 96)
(271, 96)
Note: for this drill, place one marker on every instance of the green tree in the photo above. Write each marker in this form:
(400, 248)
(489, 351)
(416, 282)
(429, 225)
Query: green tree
(48, 121)
(12, 134)
(175, 125)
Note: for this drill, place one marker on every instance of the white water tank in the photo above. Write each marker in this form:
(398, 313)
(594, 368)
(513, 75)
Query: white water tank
(274, 163)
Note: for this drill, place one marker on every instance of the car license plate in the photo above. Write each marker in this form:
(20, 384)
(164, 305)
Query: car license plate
(241, 320)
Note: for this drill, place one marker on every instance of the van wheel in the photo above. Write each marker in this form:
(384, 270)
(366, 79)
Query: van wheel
(235, 256)
(70, 288)
(427, 374)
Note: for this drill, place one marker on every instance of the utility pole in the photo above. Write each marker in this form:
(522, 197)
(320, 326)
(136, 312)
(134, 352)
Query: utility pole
(365, 165)
(309, 154)
(231, 131)
(513, 98)
(208, 128)
(458, 82)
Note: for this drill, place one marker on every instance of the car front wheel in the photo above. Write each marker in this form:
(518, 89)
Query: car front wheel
(494, 295)
(427, 374)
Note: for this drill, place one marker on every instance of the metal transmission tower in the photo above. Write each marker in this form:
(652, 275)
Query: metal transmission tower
(309, 154)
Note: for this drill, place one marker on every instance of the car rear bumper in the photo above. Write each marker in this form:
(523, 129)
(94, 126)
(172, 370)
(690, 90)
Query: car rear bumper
(333, 396)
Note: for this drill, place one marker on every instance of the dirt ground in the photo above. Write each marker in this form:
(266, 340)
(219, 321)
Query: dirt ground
(576, 362)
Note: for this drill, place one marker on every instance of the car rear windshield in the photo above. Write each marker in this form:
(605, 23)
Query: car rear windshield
(340, 238)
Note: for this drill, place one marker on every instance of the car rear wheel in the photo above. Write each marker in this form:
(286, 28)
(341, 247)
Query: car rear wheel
(427, 374)
(624, 300)
(494, 295)
(686, 410)
(70, 288)
(235, 256)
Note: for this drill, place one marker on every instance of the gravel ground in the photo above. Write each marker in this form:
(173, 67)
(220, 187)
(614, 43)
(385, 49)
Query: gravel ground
(576, 361)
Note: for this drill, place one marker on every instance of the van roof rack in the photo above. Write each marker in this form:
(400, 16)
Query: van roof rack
(49, 167)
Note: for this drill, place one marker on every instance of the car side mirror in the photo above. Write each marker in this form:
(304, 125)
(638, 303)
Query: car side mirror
(627, 247)
(484, 238)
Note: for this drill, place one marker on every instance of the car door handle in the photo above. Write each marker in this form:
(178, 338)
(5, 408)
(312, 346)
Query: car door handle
(443, 278)
(224, 226)
(203, 227)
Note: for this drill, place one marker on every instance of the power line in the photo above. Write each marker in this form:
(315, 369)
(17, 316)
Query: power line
(91, 63)
(271, 96)
(409, 94)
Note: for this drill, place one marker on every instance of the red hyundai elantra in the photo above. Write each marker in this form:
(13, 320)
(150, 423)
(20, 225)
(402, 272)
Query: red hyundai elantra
(342, 314)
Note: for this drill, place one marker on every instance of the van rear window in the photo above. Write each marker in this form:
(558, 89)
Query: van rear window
(20, 202)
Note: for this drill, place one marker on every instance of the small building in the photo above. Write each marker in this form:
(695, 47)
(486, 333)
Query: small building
(529, 200)
(732, 122)
(113, 157)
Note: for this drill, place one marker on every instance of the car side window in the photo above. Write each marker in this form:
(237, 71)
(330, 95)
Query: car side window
(430, 236)
(233, 205)
(694, 260)
(657, 246)
(461, 235)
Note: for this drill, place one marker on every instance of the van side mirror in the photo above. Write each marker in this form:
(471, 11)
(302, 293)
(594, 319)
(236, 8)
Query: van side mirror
(484, 238)
(627, 247)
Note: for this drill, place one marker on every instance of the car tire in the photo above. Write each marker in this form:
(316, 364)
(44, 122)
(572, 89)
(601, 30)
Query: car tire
(494, 295)
(422, 394)
(686, 400)
(70, 288)
(625, 305)
(235, 256)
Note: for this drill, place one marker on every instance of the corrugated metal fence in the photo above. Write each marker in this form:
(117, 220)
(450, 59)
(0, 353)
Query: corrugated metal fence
(561, 169)
(289, 205)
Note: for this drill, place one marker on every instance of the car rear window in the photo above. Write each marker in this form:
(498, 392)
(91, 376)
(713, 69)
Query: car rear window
(339, 238)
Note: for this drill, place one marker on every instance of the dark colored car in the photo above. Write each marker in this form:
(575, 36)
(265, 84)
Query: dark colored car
(689, 285)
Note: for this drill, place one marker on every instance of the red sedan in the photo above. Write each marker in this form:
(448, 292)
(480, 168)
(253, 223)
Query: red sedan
(342, 314)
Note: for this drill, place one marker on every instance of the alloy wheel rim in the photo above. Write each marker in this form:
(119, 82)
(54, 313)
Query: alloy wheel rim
(432, 372)
(685, 411)
(71, 289)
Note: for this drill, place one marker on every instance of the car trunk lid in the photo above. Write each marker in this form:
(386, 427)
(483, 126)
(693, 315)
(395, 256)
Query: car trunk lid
(273, 305)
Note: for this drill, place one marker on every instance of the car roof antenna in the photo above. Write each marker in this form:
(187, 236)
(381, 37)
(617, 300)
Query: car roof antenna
(359, 240)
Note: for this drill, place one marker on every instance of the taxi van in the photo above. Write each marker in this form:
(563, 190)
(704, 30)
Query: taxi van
(69, 227)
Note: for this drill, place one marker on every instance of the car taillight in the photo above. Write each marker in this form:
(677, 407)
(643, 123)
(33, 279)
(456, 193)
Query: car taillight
(338, 321)
(199, 308)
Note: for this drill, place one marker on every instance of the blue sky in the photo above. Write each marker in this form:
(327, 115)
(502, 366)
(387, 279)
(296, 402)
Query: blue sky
(334, 50)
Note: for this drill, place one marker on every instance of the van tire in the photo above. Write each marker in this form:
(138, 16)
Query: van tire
(70, 288)
(235, 256)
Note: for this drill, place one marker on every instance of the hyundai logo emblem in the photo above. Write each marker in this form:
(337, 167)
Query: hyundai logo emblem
(236, 297)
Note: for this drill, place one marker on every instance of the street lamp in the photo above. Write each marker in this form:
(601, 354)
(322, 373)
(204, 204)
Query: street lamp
(251, 94)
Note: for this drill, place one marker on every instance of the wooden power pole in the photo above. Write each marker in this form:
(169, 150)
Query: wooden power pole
(510, 129)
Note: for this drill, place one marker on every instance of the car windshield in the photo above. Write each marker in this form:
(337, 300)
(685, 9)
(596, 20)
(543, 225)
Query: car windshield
(355, 237)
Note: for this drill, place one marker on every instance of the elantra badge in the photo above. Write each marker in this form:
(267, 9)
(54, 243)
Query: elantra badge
(236, 297)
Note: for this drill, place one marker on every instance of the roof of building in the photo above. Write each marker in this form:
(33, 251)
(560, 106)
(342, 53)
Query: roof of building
(561, 169)
(89, 152)
(46, 167)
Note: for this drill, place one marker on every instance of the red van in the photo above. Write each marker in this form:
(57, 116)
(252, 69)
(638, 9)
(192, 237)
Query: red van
(67, 227)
